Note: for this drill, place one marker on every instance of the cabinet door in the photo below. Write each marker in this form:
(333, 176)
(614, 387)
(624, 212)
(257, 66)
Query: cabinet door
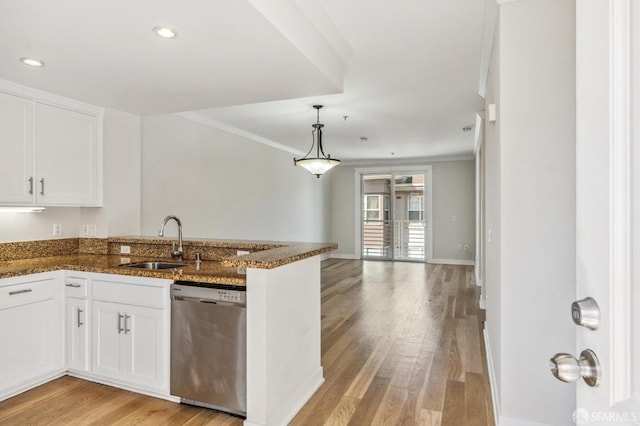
(106, 335)
(31, 345)
(77, 334)
(147, 357)
(68, 157)
(17, 148)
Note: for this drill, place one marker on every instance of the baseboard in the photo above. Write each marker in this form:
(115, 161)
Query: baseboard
(307, 390)
(461, 262)
(119, 385)
(33, 383)
(512, 421)
(482, 303)
(492, 377)
(343, 256)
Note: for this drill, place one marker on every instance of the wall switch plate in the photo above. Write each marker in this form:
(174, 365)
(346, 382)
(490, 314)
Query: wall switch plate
(453, 218)
(125, 250)
(93, 230)
(460, 246)
(85, 230)
(466, 246)
(57, 230)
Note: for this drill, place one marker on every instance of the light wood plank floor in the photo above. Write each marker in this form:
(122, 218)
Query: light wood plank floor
(402, 344)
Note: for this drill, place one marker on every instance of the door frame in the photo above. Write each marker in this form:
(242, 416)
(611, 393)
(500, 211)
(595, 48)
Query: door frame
(605, 133)
(428, 203)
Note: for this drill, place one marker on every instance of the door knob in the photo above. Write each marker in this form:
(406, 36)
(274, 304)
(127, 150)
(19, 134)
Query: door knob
(566, 368)
(586, 313)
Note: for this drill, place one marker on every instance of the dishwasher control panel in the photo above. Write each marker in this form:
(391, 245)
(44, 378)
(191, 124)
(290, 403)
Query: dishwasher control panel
(207, 293)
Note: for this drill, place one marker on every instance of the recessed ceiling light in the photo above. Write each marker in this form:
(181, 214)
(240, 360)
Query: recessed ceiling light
(32, 62)
(165, 32)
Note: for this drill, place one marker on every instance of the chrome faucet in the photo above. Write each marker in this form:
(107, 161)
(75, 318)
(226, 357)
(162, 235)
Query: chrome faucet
(177, 254)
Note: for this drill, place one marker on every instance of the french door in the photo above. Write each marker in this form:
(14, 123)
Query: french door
(393, 220)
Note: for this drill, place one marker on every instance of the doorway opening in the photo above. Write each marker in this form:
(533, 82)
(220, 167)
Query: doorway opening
(393, 219)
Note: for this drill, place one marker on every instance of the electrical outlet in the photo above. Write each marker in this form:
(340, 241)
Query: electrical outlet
(85, 230)
(125, 250)
(57, 230)
(93, 230)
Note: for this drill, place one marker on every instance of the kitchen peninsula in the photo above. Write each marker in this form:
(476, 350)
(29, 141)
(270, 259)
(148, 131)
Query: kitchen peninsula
(282, 282)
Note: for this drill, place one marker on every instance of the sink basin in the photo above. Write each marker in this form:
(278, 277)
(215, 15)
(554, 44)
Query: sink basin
(154, 265)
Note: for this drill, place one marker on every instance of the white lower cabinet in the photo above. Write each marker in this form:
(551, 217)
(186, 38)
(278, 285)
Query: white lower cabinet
(113, 329)
(77, 334)
(130, 328)
(31, 331)
(129, 343)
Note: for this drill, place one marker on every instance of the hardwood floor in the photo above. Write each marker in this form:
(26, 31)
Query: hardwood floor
(402, 344)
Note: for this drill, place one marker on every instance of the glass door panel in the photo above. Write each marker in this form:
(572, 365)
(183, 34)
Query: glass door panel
(393, 230)
(377, 231)
(409, 223)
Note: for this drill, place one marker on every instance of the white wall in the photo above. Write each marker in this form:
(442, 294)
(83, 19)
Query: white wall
(224, 186)
(120, 213)
(453, 195)
(491, 152)
(531, 208)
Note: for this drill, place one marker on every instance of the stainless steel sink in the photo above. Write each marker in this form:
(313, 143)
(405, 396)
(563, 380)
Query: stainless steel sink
(154, 265)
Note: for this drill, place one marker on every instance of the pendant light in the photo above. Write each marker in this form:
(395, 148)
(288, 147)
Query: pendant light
(319, 164)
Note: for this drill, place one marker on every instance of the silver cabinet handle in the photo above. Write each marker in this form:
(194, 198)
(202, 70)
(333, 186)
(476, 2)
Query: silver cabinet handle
(120, 329)
(73, 285)
(31, 185)
(566, 368)
(126, 326)
(42, 186)
(79, 321)
(26, 290)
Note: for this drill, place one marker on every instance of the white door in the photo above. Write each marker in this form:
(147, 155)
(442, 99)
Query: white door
(17, 143)
(77, 334)
(107, 331)
(607, 118)
(66, 157)
(145, 349)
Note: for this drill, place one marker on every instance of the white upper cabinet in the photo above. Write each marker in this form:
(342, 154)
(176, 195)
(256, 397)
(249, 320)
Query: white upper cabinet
(17, 143)
(51, 149)
(67, 157)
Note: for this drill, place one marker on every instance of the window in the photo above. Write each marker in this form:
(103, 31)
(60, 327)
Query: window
(372, 207)
(415, 207)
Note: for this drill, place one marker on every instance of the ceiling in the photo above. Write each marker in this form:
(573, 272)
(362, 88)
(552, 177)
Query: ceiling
(404, 74)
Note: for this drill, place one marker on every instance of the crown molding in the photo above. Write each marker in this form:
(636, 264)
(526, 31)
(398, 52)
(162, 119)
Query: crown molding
(199, 118)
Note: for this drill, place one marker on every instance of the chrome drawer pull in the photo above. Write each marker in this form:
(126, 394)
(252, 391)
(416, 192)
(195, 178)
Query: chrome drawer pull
(74, 285)
(31, 185)
(26, 290)
(120, 316)
(42, 183)
(79, 320)
(126, 320)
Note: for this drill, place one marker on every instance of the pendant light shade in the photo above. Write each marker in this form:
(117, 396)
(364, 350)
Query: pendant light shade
(319, 164)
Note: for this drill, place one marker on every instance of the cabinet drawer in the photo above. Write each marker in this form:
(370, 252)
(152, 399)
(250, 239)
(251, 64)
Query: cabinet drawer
(76, 287)
(130, 294)
(20, 294)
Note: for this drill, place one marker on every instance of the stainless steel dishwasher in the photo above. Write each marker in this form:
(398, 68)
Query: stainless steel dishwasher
(209, 346)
